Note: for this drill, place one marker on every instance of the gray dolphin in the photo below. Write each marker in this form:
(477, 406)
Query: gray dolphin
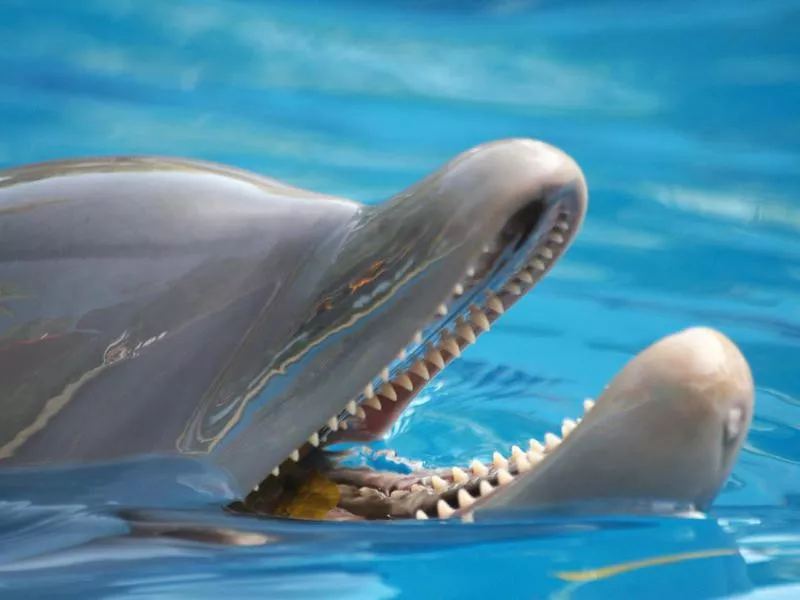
(180, 309)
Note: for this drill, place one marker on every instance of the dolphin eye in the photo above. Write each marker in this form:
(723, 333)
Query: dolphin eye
(733, 424)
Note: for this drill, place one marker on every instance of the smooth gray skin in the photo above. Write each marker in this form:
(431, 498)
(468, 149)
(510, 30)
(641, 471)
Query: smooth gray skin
(278, 304)
(668, 427)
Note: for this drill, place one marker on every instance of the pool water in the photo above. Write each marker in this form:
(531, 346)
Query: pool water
(685, 118)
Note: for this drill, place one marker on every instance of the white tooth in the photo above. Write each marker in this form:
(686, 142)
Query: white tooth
(513, 288)
(439, 484)
(401, 355)
(522, 464)
(551, 441)
(385, 374)
(545, 252)
(538, 265)
(352, 407)
(460, 476)
(369, 391)
(255, 489)
(343, 425)
(464, 498)
(373, 402)
(276, 471)
(458, 289)
(444, 509)
(562, 225)
(499, 461)
(417, 339)
(333, 424)
(496, 305)
(504, 477)
(420, 370)
(360, 413)
(466, 333)
(588, 405)
(516, 452)
(536, 446)
(314, 439)
(295, 455)
(534, 457)
(451, 346)
(468, 517)
(479, 319)
(441, 310)
(387, 391)
(470, 272)
(479, 468)
(421, 516)
(556, 237)
(567, 427)
(485, 488)
(435, 358)
(404, 382)
(525, 277)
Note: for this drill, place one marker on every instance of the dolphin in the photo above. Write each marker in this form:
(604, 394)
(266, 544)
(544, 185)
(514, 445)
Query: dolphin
(184, 310)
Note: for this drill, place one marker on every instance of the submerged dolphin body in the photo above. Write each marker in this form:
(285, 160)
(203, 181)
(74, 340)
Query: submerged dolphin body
(173, 308)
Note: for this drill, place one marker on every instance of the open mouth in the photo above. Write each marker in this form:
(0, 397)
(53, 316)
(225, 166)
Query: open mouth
(311, 482)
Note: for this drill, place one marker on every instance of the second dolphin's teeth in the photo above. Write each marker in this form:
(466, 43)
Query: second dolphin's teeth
(360, 413)
(459, 476)
(419, 369)
(444, 509)
(369, 391)
(496, 305)
(295, 455)
(417, 339)
(485, 488)
(466, 333)
(567, 427)
(420, 515)
(504, 477)
(522, 464)
(588, 405)
(458, 289)
(534, 457)
(352, 407)
(333, 424)
(480, 320)
(373, 402)
(464, 498)
(525, 277)
(556, 237)
(451, 346)
(385, 374)
(479, 469)
(441, 310)
(516, 452)
(314, 439)
(404, 382)
(276, 471)
(546, 253)
(551, 441)
(387, 391)
(438, 484)
(538, 265)
(536, 446)
(435, 358)
(513, 289)
(499, 461)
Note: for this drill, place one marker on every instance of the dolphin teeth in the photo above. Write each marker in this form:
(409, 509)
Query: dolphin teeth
(496, 305)
(470, 272)
(276, 471)
(441, 310)
(343, 425)
(418, 368)
(479, 469)
(546, 253)
(385, 374)
(513, 289)
(516, 452)
(466, 333)
(568, 427)
(352, 407)
(538, 264)
(439, 484)
(451, 346)
(499, 461)
(333, 424)
(525, 277)
(404, 382)
(562, 225)
(369, 391)
(486, 249)
(588, 405)
(464, 498)
(373, 402)
(256, 488)
(360, 413)
(458, 289)
(534, 457)
(417, 339)
(504, 477)
(535, 446)
(485, 488)
(435, 358)
(401, 355)
(480, 320)
(523, 465)
(314, 439)
(295, 455)
(556, 237)
(551, 441)
(459, 476)
(387, 391)
(420, 515)
(468, 517)
(444, 509)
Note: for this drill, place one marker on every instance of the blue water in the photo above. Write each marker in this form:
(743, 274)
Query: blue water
(685, 117)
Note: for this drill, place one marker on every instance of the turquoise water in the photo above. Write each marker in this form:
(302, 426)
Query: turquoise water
(685, 120)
